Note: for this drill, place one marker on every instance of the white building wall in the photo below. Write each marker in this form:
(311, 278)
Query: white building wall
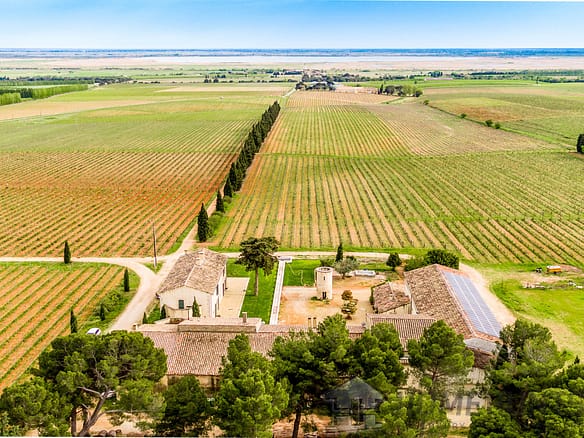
(171, 298)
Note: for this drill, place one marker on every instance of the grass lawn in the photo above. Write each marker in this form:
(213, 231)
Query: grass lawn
(558, 306)
(260, 306)
(300, 272)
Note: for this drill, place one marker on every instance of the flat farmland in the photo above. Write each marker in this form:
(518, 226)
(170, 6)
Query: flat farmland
(402, 175)
(35, 301)
(553, 112)
(100, 177)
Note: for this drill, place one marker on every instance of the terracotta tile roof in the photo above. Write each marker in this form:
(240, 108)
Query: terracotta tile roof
(432, 295)
(407, 326)
(200, 353)
(200, 270)
(388, 297)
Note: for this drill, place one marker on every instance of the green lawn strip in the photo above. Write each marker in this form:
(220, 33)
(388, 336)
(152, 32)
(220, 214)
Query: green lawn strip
(260, 306)
(559, 306)
(300, 272)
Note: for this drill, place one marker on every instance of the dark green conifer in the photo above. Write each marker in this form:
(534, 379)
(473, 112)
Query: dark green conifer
(73, 322)
(219, 205)
(66, 253)
(126, 280)
(203, 230)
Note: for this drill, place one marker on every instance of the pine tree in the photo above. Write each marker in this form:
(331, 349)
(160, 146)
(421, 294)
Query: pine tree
(228, 189)
(196, 309)
(203, 230)
(73, 322)
(580, 144)
(126, 280)
(66, 253)
(340, 254)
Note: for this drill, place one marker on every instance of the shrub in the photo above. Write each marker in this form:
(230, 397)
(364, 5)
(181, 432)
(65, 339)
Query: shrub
(327, 262)
(489, 123)
(497, 125)
(463, 116)
(393, 260)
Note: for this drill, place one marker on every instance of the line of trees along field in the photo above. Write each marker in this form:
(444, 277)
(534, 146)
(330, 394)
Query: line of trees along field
(237, 172)
(251, 146)
(36, 93)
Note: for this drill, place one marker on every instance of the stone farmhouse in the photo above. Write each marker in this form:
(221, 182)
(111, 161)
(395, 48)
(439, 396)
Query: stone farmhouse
(200, 275)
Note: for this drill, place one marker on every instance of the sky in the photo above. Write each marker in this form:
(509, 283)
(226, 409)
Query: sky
(215, 24)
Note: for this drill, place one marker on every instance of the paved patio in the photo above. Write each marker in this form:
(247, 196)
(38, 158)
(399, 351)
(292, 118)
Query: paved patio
(232, 301)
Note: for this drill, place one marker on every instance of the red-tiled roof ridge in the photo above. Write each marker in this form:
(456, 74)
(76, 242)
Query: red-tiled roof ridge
(199, 270)
(469, 330)
(432, 296)
(388, 297)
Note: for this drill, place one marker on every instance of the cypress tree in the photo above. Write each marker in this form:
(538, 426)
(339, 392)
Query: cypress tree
(126, 280)
(219, 206)
(233, 177)
(73, 322)
(227, 189)
(580, 144)
(66, 253)
(144, 319)
(102, 312)
(340, 254)
(163, 312)
(203, 230)
(196, 309)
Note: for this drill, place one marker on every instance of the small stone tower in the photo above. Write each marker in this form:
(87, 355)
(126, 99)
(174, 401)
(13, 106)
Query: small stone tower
(323, 277)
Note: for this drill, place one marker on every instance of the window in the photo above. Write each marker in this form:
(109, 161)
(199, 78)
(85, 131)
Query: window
(181, 304)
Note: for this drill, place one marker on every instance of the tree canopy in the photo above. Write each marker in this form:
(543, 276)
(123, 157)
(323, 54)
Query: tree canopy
(531, 391)
(258, 253)
(413, 415)
(440, 360)
(250, 398)
(187, 409)
(111, 374)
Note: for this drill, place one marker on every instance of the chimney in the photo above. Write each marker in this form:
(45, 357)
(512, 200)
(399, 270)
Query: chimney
(314, 322)
(244, 317)
(309, 322)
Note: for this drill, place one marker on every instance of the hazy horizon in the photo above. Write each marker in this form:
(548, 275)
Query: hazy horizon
(287, 24)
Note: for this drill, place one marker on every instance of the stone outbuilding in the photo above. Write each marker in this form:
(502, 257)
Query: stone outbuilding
(200, 275)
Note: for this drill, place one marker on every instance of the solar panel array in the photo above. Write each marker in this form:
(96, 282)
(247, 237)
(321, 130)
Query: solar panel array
(473, 304)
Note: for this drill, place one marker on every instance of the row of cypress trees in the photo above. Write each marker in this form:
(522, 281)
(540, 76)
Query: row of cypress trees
(251, 146)
(239, 167)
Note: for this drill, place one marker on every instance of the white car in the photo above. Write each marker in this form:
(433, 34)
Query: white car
(94, 331)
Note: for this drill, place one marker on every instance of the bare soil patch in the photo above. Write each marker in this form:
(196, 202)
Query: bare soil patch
(298, 304)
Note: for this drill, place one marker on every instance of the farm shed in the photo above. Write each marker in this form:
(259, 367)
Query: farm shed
(201, 275)
(448, 294)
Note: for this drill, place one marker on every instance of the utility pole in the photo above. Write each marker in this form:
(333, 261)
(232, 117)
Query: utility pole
(154, 239)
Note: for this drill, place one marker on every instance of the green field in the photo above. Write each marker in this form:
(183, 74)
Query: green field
(557, 302)
(553, 112)
(403, 175)
(99, 167)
